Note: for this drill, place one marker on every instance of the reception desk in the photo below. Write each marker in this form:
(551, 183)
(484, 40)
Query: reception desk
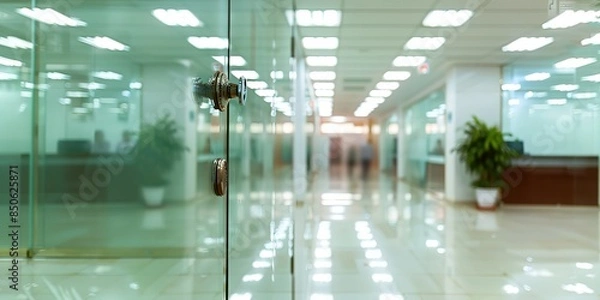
(552, 180)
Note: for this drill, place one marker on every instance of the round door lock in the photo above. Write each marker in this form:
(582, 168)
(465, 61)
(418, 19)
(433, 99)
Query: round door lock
(220, 91)
(219, 176)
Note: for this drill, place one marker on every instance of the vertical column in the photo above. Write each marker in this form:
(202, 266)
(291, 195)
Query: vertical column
(299, 138)
(167, 88)
(400, 147)
(470, 91)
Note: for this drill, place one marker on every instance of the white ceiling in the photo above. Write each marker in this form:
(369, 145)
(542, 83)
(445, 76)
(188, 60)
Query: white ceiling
(373, 33)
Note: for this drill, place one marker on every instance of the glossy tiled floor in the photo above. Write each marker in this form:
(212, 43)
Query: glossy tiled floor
(356, 240)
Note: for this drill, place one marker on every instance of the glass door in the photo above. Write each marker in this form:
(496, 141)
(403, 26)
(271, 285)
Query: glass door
(123, 153)
(260, 211)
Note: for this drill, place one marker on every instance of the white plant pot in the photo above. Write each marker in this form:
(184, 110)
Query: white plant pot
(487, 197)
(153, 196)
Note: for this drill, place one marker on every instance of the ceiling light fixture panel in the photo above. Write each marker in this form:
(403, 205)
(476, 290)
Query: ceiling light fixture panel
(10, 62)
(594, 40)
(388, 85)
(570, 18)
(321, 43)
(257, 85)
(447, 18)
(248, 74)
(565, 87)
(324, 85)
(409, 61)
(15, 43)
(511, 87)
(592, 78)
(322, 75)
(50, 16)
(424, 43)
(104, 42)
(234, 61)
(320, 18)
(177, 17)
(396, 75)
(321, 61)
(527, 44)
(208, 42)
(380, 93)
(107, 75)
(574, 62)
(538, 76)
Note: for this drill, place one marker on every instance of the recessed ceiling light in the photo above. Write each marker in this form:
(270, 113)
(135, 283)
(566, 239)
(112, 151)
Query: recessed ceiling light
(107, 75)
(594, 40)
(511, 87)
(574, 62)
(527, 44)
(592, 78)
(338, 119)
(531, 94)
(257, 85)
(377, 100)
(540, 76)
(324, 85)
(248, 74)
(557, 101)
(8, 76)
(396, 75)
(277, 74)
(57, 76)
(447, 18)
(380, 93)
(565, 87)
(326, 43)
(50, 16)
(10, 62)
(388, 85)
(274, 99)
(306, 18)
(409, 61)
(324, 100)
(175, 17)
(324, 93)
(92, 86)
(15, 43)
(583, 95)
(424, 43)
(321, 61)
(208, 42)
(103, 42)
(266, 93)
(514, 102)
(322, 75)
(570, 18)
(234, 61)
(135, 85)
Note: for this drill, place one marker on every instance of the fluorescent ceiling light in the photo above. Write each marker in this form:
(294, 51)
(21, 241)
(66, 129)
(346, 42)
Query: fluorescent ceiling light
(92, 86)
(322, 75)
(447, 18)
(274, 99)
(321, 61)
(326, 43)
(557, 101)
(424, 43)
(511, 87)
(565, 87)
(540, 76)
(174, 17)
(257, 85)
(409, 61)
(234, 61)
(388, 85)
(572, 18)
(103, 42)
(592, 78)
(8, 76)
(107, 75)
(135, 85)
(325, 113)
(266, 93)
(594, 40)
(10, 62)
(50, 16)
(15, 43)
(248, 74)
(368, 105)
(57, 76)
(514, 102)
(396, 75)
(376, 100)
(380, 93)
(527, 44)
(208, 42)
(531, 94)
(574, 62)
(583, 95)
(277, 74)
(324, 93)
(306, 18)
(324, 85)
(324, 100)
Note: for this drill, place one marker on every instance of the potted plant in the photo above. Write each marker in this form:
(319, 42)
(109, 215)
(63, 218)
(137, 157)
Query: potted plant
(485, 155)
(156, 151)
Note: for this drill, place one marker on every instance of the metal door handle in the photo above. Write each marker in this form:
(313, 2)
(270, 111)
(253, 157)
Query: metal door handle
(219, 176)
(220, 91)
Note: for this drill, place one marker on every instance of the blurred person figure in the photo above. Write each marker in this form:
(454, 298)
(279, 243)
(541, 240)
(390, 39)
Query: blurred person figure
(101, 145)
(126, 144)
(366, 156)
(351, 160)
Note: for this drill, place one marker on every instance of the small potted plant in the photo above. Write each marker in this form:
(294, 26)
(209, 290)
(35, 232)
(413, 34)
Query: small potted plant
(485, 155)
(156, 151)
